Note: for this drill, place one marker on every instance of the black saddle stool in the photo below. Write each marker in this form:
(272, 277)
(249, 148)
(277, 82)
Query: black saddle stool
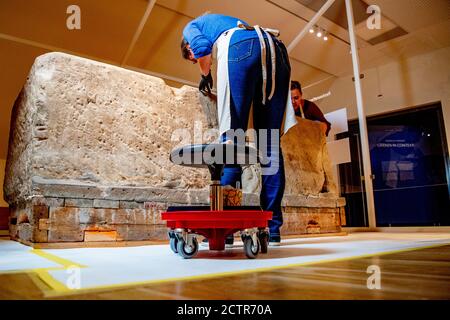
(214, 157)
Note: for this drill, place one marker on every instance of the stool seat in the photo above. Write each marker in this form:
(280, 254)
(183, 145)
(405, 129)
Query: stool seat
(214, 156)
(203, 155)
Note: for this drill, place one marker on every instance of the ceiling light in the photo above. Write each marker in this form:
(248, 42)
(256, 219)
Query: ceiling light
(319, 34)
(325, 38)
(311, 30)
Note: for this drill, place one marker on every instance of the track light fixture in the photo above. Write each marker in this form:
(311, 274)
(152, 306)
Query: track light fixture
(319, 32)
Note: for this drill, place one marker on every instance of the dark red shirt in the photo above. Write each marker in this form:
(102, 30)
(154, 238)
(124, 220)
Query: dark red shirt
(312, 112)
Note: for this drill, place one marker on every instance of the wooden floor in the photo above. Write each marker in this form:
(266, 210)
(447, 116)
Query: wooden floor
(418, 274)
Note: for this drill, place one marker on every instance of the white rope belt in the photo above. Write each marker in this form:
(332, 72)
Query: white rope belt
(268, 33)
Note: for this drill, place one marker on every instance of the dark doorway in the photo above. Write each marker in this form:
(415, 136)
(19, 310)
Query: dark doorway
(409, 159)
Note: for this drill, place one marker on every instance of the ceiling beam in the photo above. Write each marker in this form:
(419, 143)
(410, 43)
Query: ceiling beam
(331, 34)
(318, 82)
(150, 5)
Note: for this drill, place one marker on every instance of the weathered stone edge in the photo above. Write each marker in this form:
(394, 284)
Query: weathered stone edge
(128, 196)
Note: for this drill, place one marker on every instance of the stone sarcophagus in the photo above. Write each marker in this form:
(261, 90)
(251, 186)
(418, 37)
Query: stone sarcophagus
(88, 157)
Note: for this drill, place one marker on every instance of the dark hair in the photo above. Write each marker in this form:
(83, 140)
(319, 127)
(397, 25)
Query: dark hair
(184, 50)
(296, 85)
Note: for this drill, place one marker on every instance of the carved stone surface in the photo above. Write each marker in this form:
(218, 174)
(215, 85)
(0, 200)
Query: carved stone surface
(306, 159)
(80, 120)
(92, 140)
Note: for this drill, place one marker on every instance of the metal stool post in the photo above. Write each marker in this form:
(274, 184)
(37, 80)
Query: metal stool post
(216, 195)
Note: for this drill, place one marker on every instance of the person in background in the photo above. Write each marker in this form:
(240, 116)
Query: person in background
(307, 109)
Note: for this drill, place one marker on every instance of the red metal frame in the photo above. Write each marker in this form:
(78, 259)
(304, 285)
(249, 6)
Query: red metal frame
(4, 218)
(217, 225)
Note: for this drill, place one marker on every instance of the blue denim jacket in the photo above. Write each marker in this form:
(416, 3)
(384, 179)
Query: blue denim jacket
(202, 32)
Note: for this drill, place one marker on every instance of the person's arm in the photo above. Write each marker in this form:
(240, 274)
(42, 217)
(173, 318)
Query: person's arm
(318, 116)
(205, 64)
(201, 47)
(198, 42)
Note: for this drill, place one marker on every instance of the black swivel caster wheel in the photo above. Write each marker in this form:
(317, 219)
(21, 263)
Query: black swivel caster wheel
(187, 251)
(251, 249)
(263, 237)
(173, 244)
(173, 241)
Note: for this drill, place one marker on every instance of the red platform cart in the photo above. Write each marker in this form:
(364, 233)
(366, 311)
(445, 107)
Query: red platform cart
(215, 222)
(216, 226)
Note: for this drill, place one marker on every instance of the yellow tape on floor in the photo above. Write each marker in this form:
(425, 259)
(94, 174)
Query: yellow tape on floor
(63, 262)
(43, 274)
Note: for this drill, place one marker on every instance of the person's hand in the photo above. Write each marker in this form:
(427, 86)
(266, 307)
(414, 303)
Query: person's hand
(206, 84)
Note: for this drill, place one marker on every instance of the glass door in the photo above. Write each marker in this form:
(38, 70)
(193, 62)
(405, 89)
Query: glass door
(409, 158)
(351, 180)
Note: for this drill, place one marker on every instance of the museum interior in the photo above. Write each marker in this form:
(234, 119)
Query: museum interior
(286, 150)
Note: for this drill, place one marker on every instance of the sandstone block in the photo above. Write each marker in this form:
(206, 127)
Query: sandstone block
(80, 203)
(310, 220)
(340, 202)
(25, 231)
(99, 236)
(65, 216)
(65, 235)
(198, 197)
(31, 233)
(101, 203)
(250, 199)
(131, 205)
(38, 212)
(46, 201)
(141, 232)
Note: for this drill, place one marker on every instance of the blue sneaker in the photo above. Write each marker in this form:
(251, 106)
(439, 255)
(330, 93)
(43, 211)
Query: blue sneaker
(229, 241)
(274, 240)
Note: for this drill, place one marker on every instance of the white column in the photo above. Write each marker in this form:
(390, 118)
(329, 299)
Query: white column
(362, 119)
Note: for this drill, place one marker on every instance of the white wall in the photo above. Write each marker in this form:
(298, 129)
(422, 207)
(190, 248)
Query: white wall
(413, 82)
(410, 83)
(2, 177)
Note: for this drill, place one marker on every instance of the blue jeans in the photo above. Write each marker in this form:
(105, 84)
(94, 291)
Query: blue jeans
(245, 78)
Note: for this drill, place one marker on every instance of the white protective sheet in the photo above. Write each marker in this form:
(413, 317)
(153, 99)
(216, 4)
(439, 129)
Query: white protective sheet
(109, 267)
(145, 264)
(15, 256)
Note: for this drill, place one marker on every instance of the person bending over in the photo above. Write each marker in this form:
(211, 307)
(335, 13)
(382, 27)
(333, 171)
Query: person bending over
(246, 75)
